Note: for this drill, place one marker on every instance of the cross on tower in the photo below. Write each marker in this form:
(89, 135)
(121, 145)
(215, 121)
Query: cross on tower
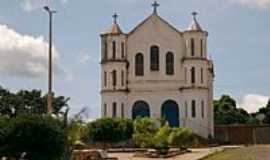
(115, 16)
(155, 5)
(194, 14)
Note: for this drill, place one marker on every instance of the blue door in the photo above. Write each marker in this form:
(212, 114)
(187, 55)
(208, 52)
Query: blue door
(170, 112)
(140, 109)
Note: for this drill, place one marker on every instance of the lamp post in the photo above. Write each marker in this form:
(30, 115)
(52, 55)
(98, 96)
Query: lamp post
(49, 96)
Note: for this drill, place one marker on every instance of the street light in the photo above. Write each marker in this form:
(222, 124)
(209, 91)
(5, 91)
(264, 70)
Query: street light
(49, 97)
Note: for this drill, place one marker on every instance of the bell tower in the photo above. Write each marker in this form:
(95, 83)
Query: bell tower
(199, 72)
(113, 71)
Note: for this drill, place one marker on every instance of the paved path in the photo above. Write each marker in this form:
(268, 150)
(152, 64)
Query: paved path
(194, 155)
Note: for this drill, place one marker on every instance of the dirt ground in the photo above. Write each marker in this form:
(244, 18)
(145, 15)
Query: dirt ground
(194, 155)
(258, 152)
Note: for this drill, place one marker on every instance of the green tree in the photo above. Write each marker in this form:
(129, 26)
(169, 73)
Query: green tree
(3, 127)
(226, 112)
(29, 102)
(35, 137)
(76, 131)
(266, 112)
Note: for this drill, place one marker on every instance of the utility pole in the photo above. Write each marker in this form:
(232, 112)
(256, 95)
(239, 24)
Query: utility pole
(49, 96)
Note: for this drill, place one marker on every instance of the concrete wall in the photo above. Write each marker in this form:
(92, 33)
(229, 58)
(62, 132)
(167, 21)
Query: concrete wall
(243, 134)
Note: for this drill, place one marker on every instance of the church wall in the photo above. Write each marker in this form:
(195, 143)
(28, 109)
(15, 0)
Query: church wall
(109, 67)
(118, 40)
(199, 123)
(197, 36)
(155, 32)
(119, 98)
(155, 100)
(201, 70)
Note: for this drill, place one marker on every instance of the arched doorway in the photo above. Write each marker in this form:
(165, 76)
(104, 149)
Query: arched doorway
(170, 111)
(140, 109)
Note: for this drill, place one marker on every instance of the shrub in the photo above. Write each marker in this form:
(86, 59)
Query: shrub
(144, 131)
(181, 137)
(76, 131)
(108, 130)
(160, 139)
(3, 127)
(37, 137)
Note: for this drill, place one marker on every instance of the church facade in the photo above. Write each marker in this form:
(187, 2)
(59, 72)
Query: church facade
(158, 71)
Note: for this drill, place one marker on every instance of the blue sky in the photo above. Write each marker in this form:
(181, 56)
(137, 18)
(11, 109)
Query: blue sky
(239, 44)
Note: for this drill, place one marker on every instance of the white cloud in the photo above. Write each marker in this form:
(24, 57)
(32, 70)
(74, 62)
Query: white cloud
(31, 5)
(252, 102)
(84, 57)
(64, 1)
(23, 55)
(261, 4)
(69, 76)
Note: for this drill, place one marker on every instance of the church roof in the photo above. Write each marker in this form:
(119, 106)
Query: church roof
(153, 16)
(195, 26)
(115, 28)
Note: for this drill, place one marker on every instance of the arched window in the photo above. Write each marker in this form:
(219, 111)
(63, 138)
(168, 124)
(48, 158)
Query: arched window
(113, 50)
(105, 110)
(105, 56)
(122, 78)
(193, 75)
(105, 79)
(122, 110)
(140, 109)
(193, 108)
(202, 75)
(122, 50)
(186, 109)
(201, 47)
(154, 58)
(114, 110)
(139, 65)
(170, 112)
(192, 46)
(186, 75)
(114, 78)
(202, 108)
(169, 63)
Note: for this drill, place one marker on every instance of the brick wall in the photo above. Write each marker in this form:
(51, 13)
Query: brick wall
(243, 134)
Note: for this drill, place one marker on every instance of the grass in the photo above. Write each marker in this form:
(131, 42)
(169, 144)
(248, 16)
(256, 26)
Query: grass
(245, 153)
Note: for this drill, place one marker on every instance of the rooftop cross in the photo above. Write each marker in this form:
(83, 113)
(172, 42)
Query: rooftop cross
(115, 16)
(194, 14)
(155, 5)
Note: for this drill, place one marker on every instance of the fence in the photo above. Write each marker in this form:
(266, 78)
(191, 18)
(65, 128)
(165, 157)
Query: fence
(243, 134)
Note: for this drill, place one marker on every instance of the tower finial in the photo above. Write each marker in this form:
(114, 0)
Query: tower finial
(195, 26)
(194, 14)
(155, 5)
(115, 16)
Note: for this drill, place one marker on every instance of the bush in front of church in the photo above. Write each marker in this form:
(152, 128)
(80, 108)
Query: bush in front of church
(181, 137)
(109, 130)
(160, 139)
(147, 134)
(144, 131)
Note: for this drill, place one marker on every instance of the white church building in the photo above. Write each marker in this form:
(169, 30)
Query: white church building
(158, 71)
